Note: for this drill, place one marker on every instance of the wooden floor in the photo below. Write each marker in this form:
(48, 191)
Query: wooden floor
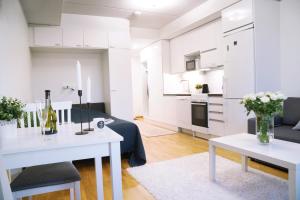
(157, 149)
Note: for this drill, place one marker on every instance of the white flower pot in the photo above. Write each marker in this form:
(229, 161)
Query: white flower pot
(198, 91)
(8, 129)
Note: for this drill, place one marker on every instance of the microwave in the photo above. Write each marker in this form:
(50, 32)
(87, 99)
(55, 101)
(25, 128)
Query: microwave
(191, 65)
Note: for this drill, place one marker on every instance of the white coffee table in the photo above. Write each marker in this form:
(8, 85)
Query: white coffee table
(278, 152)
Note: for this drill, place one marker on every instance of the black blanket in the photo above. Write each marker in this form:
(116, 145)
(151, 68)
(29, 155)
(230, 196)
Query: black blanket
(132, 146)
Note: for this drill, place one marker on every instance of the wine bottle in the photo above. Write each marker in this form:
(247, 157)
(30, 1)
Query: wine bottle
(50, 127)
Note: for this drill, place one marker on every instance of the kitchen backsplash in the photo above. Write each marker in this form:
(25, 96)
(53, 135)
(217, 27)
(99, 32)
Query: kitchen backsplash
(177, 83)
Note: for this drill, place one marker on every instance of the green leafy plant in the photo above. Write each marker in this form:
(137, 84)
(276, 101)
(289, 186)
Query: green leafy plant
(10, 108)
(198, 86)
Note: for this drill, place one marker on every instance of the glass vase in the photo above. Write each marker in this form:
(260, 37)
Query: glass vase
(264, 128)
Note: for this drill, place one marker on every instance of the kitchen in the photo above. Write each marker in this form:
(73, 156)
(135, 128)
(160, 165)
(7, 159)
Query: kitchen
(222, 55)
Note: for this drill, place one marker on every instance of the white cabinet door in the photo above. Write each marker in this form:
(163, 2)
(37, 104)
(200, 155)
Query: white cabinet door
(209, 59)
(95, 39)
(208, 40)
(239, 69)
(184, 113)
(237, 15)
(235, 117)
(120, 83)
(119, 40)
(47, 36)
(177, 55)
(72, 38)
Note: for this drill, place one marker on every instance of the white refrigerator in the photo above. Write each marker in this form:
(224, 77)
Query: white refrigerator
(251, 56)
(239, 77)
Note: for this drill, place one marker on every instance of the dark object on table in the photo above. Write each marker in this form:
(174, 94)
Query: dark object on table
(81, 132)
(205, 89)
(283, 125)
(132, 145)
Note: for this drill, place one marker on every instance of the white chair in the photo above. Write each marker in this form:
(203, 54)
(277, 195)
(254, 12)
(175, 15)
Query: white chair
(51, 177)
(30, 112)
(60, 108)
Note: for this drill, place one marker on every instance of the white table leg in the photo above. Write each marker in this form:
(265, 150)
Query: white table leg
(244, 163)
(115, 170)
(294, 184)
(212, 162)
(99, 177)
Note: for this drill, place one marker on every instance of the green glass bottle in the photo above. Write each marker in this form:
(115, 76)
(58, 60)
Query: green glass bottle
(50, 127)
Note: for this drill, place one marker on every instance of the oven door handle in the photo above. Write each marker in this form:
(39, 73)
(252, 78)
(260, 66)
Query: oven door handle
(200, 104)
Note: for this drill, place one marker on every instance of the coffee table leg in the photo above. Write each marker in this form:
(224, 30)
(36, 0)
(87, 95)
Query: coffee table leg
(244, 163)
(212, 162)
(294, 184)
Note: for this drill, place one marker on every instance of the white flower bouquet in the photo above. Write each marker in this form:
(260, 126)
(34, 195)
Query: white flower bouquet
(265, 105)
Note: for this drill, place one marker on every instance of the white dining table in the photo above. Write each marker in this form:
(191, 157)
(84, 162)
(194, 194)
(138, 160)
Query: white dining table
(29, 148)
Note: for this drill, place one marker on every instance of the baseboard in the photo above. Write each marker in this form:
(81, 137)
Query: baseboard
(161, 124)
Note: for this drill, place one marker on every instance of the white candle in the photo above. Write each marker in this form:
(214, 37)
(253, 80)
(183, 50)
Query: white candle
(78, 68)
(88, 90)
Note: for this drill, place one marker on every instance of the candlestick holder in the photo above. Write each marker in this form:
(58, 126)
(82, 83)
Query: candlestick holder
(89, 118)
(82, 132)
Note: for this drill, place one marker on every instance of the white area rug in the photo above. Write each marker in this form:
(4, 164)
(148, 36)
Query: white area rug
(186, 178)
(149, 130)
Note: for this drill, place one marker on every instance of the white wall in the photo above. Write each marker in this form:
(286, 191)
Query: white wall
(15, 61)
(290, 47)
(53, 70)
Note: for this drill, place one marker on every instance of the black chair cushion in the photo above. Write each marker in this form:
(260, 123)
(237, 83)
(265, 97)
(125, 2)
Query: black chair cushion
(45, 175)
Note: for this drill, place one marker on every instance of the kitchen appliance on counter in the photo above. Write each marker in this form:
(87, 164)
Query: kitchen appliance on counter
(205, 89)
(199, 105)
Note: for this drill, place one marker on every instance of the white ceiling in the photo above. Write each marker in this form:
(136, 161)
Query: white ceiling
(155, 13)
(42, 11)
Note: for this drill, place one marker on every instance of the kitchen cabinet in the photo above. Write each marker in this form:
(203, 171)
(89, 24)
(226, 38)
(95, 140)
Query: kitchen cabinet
(119, 40)
(183, 112)
(209, 59)
(208, 39)
(237, 15)
(47, 36)
(72, 38)
(95, 39)
(177, 55)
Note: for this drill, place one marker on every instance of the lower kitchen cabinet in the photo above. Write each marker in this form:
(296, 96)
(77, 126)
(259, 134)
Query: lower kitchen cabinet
(184, 112)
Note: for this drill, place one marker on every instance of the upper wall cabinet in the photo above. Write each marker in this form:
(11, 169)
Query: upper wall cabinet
(72, 38)
(95, 39)
(177, 55)
(209, 36)
(119, 40)
(77, 38)
(47, 36)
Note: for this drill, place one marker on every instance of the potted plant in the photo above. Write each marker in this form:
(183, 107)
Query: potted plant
(198, 88)
(265, 106)
(11, 110)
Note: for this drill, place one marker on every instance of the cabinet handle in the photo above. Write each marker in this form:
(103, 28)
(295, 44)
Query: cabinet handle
(87, 45)
(78, 45)
(57, 44)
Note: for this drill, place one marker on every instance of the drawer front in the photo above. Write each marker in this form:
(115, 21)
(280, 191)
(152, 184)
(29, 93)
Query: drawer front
(215, 108)
(215, 100)
(215, 116)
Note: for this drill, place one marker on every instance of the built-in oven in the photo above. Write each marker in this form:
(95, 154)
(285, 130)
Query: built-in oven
(199, 114)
